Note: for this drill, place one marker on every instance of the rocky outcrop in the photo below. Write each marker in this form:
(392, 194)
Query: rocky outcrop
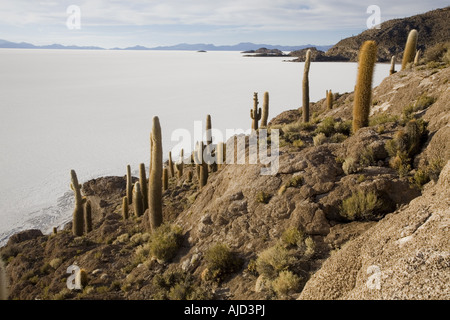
(391, 37)
(404, 256)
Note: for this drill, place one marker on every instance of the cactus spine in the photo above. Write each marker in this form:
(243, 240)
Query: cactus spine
(155, 177)
(3, 281)
(88, 216)
(172, 173)
(305, 87)
(165, 179)
(329, 100)
(392, 69)
(180, 164)
(363, 89)
(410, 48)
(143, 184)
(129, 185)
(78, 212)
(255, 113)
(265, 110)
(125, 209)
(138, 203)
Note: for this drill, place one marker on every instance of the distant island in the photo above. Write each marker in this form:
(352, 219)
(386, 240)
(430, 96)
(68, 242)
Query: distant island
(264, 52)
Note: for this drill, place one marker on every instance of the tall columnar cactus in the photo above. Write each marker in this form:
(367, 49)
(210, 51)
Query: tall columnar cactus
(305, 87)
(203, 177)
(125, 209)
(170, 162)
(180, 164)
(3, 281)
(138, 204)
(88, 216)
(392, 69)
(165, 179)
(78, 212)
(220, 152)
(363, 89)
(410, 48)
(265, 110)
(189, 177)
(155, 177)
(330, 98)
(129, 190)
(81, 278)
(208, 130)
(143, 184)
(255, 113)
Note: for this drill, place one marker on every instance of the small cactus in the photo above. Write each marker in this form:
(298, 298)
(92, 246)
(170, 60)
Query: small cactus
(220, 152)
(392, 69)
(165, 179)
(155, 176)
(189, 178)
(138, 203)
(88, 216)
(144, 185)
(170, 163)
(417, 57)
(255, 113)
(208, 130)
(78, 213)
(363, 89)
(180, 164)
(410, 49)
(3, 281)
(55, 230)
(203, 177)
(329, 100)
(305, 87)
(265, 110)
(129, 188)
(125, 209)
(81, 279)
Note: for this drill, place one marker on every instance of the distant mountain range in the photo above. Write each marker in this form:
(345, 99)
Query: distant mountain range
(243, 46)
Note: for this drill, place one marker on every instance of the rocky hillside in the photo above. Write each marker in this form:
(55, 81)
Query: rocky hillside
(433, 28)
(339, 204)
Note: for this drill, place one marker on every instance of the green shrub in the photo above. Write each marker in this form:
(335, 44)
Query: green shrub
(319, 139)
(421, 177)
(326, 126)
(286, 283)
(338, 138)
(382, 118)
(222, 261)
(273, 260)
(367, 157)
(292, 237)
(434, 168)
(423, 102)
(295, 181)
(298, 143)
(350, 166)
(344, 127)
(360, 206)
(310, 246)
(165, 241)
(263, 197)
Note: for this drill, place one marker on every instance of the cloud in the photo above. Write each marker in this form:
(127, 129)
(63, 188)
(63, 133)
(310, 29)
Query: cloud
(252, 14)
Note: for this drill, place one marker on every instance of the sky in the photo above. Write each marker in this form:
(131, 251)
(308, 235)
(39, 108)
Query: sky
(150, 23)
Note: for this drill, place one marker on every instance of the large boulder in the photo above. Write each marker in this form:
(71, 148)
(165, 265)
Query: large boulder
(404, 256)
